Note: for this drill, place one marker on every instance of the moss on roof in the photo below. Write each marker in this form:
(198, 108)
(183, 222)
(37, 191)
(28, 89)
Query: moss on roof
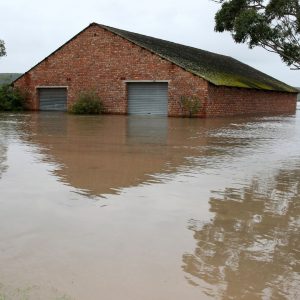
(218, 69)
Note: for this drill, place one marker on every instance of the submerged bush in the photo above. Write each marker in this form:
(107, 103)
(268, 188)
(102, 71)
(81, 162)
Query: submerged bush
(11, 99)
(87, 103)
(190, 105)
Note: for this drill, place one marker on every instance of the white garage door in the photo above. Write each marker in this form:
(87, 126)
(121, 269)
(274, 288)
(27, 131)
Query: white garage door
(53, 99)
(148, 98)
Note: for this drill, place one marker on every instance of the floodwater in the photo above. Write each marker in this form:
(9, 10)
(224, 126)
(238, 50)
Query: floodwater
(136, 208)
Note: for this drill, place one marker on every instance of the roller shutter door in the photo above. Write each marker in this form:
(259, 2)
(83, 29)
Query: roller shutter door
(148, 99)
(54, 99)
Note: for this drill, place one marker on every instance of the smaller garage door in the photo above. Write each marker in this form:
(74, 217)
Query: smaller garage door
(54, 99)
(148, 98)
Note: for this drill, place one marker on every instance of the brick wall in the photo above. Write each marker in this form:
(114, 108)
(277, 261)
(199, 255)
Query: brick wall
(100, 60)
(227, 101)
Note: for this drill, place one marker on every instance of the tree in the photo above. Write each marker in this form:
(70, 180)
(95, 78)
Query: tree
(271, 24)
(2, 48)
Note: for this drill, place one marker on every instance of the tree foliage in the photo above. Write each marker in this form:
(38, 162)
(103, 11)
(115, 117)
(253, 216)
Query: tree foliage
(2, 48)
(12, 99)
(271, 24)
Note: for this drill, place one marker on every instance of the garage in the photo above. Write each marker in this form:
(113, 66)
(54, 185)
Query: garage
(148, 98)
(53, 99)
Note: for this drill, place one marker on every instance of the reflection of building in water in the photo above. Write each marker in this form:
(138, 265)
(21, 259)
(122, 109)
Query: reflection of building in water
(101, 154)
(141, 130)
(250, 250)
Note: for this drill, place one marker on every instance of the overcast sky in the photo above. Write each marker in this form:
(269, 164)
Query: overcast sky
(33, 29)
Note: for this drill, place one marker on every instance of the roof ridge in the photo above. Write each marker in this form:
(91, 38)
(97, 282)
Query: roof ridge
(159, 39)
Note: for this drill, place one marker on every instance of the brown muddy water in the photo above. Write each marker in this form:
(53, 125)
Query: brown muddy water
(117, 207)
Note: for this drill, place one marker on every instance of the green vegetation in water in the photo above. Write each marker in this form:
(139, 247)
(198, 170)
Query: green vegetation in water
(87, 103)
(190, 105)
(16, 294)
(11, 99)
(30, 293)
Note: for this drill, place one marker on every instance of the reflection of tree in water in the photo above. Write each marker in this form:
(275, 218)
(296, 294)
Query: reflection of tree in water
(3, 151)
(250, 250)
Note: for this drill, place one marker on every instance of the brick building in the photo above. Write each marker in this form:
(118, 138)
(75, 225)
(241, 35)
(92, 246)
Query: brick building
(137, 74)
